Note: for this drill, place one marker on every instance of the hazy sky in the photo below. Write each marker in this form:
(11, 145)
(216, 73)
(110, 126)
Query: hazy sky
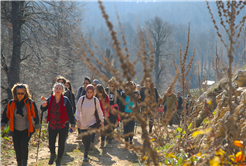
(178, 12)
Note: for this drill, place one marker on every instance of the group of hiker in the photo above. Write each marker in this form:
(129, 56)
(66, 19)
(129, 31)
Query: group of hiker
(93, 107)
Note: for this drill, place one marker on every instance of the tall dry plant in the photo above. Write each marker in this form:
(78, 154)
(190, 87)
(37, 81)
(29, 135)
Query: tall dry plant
(127, 72)
(228, 12)
(218, 64)
(184, 71)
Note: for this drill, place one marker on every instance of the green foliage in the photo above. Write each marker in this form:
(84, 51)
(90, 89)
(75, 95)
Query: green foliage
(214, 112)
(6, 130)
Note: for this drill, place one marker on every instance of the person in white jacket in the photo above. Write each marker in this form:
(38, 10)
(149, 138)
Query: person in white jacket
(85, 116)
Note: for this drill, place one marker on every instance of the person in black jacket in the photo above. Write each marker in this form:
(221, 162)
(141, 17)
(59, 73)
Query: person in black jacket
(149, 109)
(81, 90)
(115, 104)
(20, 111)
(69, 86)
(59, 115)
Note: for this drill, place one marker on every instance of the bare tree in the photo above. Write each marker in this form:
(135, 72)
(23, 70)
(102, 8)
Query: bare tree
(35, 26)
(218, 64)
(111, 59)
(160, 33)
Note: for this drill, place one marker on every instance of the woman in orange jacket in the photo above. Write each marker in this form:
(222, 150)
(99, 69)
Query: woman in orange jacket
(20, 111)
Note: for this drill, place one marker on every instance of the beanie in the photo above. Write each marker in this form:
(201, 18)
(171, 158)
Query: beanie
(90, 86)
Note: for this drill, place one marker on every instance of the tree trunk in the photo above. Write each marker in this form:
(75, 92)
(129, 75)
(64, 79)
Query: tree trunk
(157, 61)
(14, 69)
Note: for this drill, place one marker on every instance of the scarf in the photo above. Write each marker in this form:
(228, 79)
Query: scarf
(30, 114)
(64, 116)
(20, 105)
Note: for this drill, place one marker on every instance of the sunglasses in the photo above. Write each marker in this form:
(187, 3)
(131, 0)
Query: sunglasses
(86, 83)
(112, 86)
(21, 86)
(20, 93)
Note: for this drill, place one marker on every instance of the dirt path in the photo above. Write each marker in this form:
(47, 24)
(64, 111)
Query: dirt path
(113, 154)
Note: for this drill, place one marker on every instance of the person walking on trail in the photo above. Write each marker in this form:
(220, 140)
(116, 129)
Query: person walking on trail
(95, 82)
(189, 104)
(138, 87)
(81, 90)
(104, 103)
(180, 106)
(67, 92)
(171, 103)
(115, 104)
(128, 122)
(59, 115)
(151, 108)
(87, 107)
(21, 111)
(69, 87)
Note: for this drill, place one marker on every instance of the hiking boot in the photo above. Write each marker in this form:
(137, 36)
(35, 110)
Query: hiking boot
(86, 159)
(52, 159)
(91, 146)
(131, 142)
(24, 162)
(58, 162)
(102, 144)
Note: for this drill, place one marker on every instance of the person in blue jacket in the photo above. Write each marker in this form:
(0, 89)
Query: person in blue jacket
(128, 109)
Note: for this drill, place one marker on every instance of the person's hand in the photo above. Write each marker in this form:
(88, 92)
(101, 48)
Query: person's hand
(78, 124)
(102, 125)
(44, 104)
(43, 98)
(73, 129)
(36, 130)
(2, 128)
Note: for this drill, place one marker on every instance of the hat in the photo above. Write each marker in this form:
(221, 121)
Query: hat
(90, 86)
(96, 81)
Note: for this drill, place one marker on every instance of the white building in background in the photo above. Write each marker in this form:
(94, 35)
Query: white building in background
(208, 82)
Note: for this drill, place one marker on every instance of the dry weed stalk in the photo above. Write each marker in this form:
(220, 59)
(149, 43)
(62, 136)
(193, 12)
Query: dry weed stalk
(184, 71)
(128, 73)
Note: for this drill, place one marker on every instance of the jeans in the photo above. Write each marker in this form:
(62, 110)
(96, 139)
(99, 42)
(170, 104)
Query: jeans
(128, 128)
(112, 119)
(103, 134)
(20, 141)
(87, 139)
(63, 133)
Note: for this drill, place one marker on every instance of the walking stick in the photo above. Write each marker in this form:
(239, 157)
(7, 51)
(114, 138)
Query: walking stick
(39, 134)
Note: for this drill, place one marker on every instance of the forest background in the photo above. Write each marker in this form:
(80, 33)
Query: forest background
(47, 41)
